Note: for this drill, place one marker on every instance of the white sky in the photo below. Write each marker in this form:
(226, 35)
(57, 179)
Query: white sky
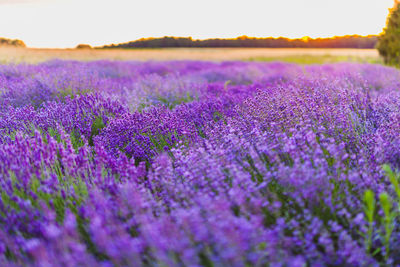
(66, 23)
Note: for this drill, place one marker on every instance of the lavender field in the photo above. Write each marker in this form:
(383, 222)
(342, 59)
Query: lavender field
(190, 163)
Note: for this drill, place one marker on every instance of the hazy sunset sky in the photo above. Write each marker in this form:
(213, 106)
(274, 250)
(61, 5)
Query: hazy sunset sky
(66, 23)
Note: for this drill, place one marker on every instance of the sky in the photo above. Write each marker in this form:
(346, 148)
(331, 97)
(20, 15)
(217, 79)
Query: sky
(67, 23)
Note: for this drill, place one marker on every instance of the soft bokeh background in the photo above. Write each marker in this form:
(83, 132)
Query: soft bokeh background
(66, 23)
(291, 55)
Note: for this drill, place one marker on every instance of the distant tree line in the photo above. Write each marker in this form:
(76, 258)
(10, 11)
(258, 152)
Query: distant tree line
(12, 42)
(83, 46)
(349, 41)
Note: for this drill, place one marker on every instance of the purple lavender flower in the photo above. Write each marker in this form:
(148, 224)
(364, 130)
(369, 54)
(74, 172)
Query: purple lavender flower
(199, 164)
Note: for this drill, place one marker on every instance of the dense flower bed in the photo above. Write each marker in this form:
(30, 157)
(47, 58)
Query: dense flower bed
(199, 164)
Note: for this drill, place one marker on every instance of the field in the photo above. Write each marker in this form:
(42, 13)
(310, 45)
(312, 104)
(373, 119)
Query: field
(198, 163)
(292, 55)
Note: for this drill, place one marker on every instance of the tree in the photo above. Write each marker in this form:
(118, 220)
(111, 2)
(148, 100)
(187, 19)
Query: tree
(9, 42)
(389, 41)
(83, 46)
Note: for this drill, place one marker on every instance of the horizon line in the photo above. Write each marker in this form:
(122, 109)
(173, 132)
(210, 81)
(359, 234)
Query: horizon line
(208, 38)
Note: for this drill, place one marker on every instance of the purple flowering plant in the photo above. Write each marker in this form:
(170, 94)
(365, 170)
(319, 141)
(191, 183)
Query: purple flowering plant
(188, 163)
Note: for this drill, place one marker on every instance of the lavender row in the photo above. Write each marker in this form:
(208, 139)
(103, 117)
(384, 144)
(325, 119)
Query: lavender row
(199, 164)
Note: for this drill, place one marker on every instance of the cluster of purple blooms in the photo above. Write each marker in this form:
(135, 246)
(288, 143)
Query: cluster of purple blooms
(199, 164)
